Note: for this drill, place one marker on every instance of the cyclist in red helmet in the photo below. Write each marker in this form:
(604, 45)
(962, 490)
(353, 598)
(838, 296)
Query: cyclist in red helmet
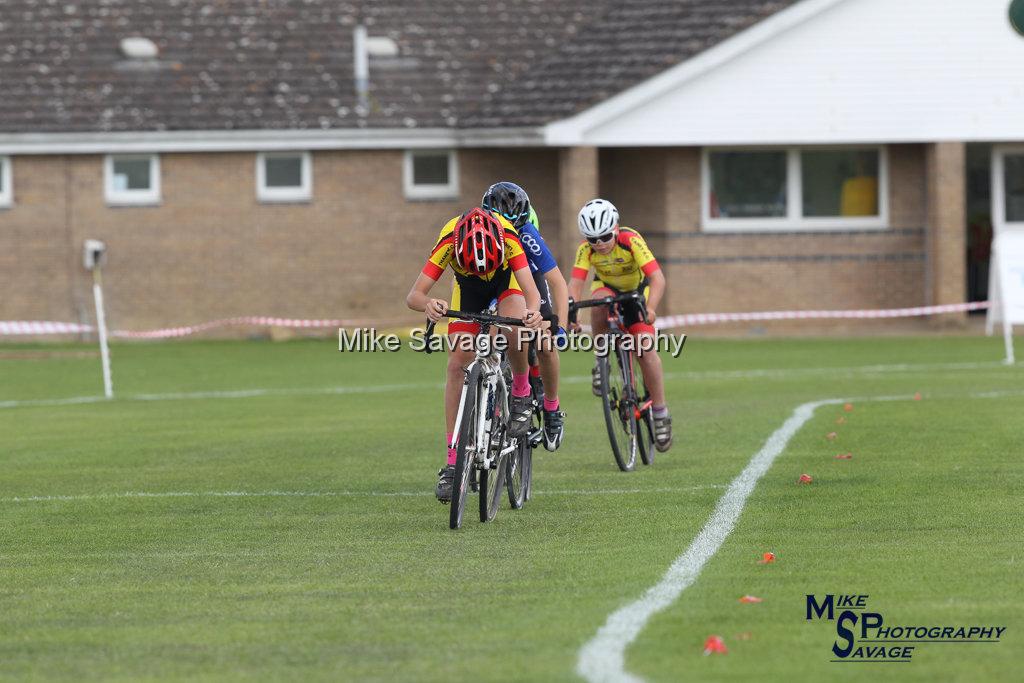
(483, 250)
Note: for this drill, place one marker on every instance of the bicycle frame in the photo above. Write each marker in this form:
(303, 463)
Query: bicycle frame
(616, 327)
(489, 360)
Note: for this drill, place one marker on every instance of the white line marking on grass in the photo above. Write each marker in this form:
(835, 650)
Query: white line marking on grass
(570, 379)
(328, 494)
(602, 658)
(241, 393)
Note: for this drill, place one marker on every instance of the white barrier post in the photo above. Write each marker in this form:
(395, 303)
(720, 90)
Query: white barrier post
(95, 252)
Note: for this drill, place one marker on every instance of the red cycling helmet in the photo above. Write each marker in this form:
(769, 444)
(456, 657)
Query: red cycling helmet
(479, 242)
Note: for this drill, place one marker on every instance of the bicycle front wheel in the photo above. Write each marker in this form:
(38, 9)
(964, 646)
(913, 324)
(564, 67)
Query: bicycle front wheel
(619, 411)
(465, 459)
(492, 481)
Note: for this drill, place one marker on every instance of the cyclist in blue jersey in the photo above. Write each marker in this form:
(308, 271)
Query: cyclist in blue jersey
(512, 202)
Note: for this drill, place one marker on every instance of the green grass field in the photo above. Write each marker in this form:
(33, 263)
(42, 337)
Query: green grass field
(337, 563)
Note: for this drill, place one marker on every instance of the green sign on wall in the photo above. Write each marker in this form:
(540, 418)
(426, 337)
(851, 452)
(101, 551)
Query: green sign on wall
(1017, 15)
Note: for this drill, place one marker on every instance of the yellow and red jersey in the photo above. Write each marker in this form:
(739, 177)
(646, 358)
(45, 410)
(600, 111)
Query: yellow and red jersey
(443, 253)
(623, 268)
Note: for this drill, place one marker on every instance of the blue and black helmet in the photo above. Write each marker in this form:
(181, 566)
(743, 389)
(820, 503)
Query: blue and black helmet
(509, 200)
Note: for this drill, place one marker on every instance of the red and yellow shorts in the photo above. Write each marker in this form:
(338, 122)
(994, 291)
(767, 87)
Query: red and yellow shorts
(474, 295)
(632, 316)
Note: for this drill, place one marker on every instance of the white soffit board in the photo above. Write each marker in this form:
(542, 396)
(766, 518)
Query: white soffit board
(828, 71)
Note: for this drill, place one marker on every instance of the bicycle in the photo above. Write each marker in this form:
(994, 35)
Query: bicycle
(519, 476)
(482, 444)
(627, 412)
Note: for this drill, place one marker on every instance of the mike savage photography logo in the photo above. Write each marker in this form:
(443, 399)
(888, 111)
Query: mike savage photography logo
(867, 637)
(369, 340)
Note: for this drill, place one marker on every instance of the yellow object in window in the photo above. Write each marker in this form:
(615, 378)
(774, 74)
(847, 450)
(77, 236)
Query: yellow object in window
(859, 197)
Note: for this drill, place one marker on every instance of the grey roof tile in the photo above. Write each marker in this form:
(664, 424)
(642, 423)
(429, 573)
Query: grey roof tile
(277, 64)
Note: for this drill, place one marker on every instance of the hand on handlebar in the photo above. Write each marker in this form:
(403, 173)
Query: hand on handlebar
(652, 315)
(436, 308)
(574, 326)
(534, 321)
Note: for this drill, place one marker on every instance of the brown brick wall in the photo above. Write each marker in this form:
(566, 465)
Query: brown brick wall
(946, 188)
(212, 250)
(36, 265)
(707, 272)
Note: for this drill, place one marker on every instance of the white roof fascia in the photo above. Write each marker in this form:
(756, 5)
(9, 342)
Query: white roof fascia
(572, 131)
(265, 140)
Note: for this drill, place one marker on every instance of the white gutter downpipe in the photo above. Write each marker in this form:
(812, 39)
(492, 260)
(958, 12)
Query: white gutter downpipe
(361, 69)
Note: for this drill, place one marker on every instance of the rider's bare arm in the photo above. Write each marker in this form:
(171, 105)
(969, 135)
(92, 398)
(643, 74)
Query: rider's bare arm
(529, 287)
(559, 294)
(419, 299)
(657, 282)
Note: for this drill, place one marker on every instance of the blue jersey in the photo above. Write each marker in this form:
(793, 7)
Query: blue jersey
(537, 252)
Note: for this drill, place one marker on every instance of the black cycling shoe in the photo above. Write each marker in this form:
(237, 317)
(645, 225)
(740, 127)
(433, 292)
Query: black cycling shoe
(663, 433)
(445, 482)
(554, 428)
(521, 416)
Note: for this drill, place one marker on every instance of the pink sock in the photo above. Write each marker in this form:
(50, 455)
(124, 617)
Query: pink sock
(520, 384)
(550, 403)
(451, 451)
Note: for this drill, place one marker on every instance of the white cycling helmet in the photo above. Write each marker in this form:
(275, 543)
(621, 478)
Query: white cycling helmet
(598, 217)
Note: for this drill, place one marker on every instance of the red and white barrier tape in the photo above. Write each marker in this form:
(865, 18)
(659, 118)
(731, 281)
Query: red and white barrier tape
(253, 321)
(34, 327)
(10, 327)
(40, 327)
(688, 319)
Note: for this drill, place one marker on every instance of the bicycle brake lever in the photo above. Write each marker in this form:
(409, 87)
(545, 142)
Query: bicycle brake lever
(428, 336)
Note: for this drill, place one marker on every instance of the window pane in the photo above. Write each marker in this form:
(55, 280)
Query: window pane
(1, 175)
(748, 184)
(131, 174)
(1014, 178)
(430, 169)
(283, 171)
(840, 183)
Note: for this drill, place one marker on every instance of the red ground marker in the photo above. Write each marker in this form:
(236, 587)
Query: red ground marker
(750, 599)
(715, 645)
(805, 479)
(767, 558)
(848, 407)
(844, 456)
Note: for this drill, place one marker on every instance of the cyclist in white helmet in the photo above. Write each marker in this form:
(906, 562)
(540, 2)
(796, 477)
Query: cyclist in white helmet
(622, 262)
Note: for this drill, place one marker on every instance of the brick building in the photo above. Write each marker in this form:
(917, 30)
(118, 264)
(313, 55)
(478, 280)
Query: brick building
(237, 160)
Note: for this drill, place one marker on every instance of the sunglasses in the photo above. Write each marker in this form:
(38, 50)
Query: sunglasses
(602, 239)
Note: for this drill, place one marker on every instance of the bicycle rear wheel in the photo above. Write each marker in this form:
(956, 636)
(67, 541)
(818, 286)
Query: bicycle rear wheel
(492, 481)
(619, 411)
(645, 430)
(465, 459)
(517, 475)
(492, 485)
(645, 443)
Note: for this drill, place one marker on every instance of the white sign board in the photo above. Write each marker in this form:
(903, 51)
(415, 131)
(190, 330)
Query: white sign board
(1006, 285)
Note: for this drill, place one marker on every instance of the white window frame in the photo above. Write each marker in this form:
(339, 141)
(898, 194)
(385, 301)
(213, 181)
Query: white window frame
(793, 220)
(7, 184)
(999, 154)
(302, 193)
(116, 197)
(448, 191)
